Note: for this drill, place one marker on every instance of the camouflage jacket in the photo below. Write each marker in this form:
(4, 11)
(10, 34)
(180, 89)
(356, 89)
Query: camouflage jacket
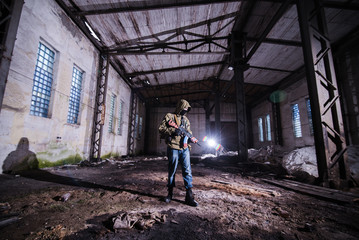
(167, 131)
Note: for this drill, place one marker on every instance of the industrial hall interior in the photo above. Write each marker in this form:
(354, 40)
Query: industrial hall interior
(179, 119)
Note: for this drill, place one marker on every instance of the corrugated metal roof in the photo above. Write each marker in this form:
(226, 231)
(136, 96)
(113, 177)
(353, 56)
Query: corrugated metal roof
(179, 48)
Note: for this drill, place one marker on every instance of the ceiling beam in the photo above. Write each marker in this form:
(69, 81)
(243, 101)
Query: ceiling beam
(111, 10)
(341, 5)
(141, 48)
(283, 8)
(241, 21)
(180, 84)
(276, 41)
(134, 74)
(181, 94)
(270, 69)
(168, 53)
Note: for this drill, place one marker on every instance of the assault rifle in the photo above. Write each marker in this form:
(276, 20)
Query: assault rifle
(184, 133)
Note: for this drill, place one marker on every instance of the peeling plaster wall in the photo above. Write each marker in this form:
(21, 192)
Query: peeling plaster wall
(50, 138)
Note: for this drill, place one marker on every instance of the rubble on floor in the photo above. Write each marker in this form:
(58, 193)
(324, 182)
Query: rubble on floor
(123, 199)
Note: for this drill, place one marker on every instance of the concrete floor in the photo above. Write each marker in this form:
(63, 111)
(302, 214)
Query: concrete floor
(234, 203)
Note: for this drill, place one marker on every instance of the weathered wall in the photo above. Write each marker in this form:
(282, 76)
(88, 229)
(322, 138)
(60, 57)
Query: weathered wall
(296, 93)
(52, 138)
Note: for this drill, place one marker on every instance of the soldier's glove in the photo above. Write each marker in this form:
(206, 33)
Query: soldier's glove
(194, 140)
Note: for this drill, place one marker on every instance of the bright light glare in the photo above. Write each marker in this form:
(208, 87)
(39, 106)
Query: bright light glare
(211, 143)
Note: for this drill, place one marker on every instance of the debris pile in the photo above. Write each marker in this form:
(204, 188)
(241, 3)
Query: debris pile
(302, 163)
(137, 220)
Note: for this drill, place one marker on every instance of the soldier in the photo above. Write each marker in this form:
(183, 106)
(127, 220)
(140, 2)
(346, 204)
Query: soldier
(178, 150)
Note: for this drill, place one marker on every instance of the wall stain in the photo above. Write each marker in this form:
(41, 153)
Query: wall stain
(4, 106)
(69, 25)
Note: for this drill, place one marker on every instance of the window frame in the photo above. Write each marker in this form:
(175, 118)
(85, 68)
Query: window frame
(310, 117)
(260, 129)
(267, 127)
(43, 81)
(120, 117)
(296, 122)
(78, 95)
(112, 114)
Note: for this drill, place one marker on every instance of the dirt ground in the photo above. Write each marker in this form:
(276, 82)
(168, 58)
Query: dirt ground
(123, 199)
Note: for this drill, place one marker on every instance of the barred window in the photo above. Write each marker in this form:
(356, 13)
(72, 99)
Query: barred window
(112, 113)
(260, 129)
(41, 90)
(267, 127)
(136, 126)
(297, 129)
(309, 111)
(120, 117)
(140, 128)
(75, 96)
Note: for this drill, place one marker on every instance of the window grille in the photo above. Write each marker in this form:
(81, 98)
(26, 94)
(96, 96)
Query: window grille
(75, 96)
(136, 126)
(112, 113)
(268, 130)
(120, 117)
(140, 128)
(297, 129)
(309, 110)
(41, 90)
(260, 129)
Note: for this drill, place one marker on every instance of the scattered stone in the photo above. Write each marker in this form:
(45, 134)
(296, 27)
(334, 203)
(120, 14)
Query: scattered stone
(65, 197)
(9, 221)
(307, 228)
(136, 220)
(4, 207)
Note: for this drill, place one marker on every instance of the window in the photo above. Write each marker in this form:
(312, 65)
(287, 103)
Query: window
(41, 90)
(140, 128)
(120, 117)
(75, 96)
(260, 129)
(296, 121)
(136, 125)
(267, 127)
(309, 110)
(112, 113)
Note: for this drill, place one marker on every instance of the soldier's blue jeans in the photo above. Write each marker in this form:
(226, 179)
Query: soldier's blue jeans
(182, 156)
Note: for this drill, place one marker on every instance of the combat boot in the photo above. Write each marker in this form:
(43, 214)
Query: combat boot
(189, 198)
(170, 195)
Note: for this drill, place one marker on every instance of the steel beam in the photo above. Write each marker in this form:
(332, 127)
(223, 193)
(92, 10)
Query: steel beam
(324, 97)
(100, 109)
(134, 74)
(238, 61)
(217, 110)
(9, 18)
(132, 124)
(283, 8)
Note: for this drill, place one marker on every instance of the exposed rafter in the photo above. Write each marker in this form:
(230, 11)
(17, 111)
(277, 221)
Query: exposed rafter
(283, 8)
(134, 74)
(341, 5)
(110, 9)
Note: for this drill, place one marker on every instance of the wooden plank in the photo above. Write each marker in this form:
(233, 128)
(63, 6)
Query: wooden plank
(315, 191)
